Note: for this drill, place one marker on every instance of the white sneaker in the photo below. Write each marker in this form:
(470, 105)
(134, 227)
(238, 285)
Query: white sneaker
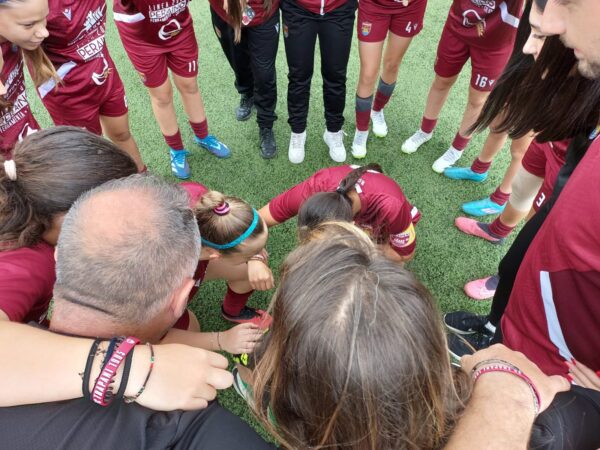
(380, 128)
(359, 145)
(296, 148)
(413, 143)
(446, 160)
(335, 142)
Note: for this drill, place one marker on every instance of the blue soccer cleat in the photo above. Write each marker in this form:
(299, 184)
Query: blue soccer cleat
(465, 173)
(482, 207)
(214, 146)
(179, 164)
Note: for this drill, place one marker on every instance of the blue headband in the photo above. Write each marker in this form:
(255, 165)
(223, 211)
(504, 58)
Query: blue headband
(237, 241)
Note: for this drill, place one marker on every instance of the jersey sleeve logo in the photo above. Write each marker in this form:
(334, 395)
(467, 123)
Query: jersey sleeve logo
(404, 239)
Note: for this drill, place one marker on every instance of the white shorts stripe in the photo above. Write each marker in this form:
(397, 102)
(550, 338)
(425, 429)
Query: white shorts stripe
(507, 17)
(554, 330)
(129, 18)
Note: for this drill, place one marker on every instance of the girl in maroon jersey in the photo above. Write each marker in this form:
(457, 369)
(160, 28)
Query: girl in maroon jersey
(89, 92)
(22, 30)
(399, 21)
(484, 31)
(158, 36)
(364, 194)
(249, 37)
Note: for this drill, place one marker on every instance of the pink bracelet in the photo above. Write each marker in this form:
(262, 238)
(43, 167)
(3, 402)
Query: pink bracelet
(513, 370)
(102, 387)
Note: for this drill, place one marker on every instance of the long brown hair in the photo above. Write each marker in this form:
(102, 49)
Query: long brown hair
(356, 357)
(235, 11)
(337, 205)
(224, 228)
(551, 97)
(53, 168)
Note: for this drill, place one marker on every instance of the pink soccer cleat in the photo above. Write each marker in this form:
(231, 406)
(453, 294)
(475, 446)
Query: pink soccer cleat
(479, 229)
(483, 288)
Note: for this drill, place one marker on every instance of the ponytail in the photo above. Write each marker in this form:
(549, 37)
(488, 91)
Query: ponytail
(332, 206)
(235, 11)
(225, 222)
(50, 169)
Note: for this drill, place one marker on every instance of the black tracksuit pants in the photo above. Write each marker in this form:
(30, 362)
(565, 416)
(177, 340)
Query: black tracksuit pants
(253, 63)
(300, 30)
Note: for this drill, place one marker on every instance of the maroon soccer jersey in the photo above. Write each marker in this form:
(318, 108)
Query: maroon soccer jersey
(385, 211)
(18, 121)
(553, 313)
(26, 282)
(391, 6)
(486, 23)
(155, 21)
(254, 14)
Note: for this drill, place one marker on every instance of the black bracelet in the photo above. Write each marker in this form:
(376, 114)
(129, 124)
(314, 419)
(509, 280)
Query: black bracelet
(85, 388)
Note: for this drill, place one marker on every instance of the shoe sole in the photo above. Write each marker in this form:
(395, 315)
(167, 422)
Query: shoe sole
(380, 135)
(474, 180)
(439, 171)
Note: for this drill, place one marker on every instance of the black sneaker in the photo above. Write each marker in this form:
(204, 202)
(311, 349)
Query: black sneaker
(244, 110)
(464, 322)
(458, 347)
(268, 146)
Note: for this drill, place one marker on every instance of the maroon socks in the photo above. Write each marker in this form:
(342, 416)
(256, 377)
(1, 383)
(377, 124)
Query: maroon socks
(479, 166)
(363, 112)
(233, 303)
(427, 125)
(200, 129)
(499, 197)
(460, 142)
(174, 142)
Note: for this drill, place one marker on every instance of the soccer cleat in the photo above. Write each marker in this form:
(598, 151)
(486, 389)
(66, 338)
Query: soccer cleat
(465, 173)
(482, 207)
(464, 322)
(268, 146)
(179, 164)
(335, 142)
(380, 128)
(244, 110)
(478, 229)
(243, 389)
(214, 146)
(483, 288)
(449, 157)
(258, 317)
(413, 143)
(359, 145)
(296, 148)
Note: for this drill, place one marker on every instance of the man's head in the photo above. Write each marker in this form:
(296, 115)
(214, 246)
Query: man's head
(576, 21)
(126, 257)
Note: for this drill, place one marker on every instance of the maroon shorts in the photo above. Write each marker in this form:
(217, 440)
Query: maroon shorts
(486, 64)
(543, 161)
(153, 62)
(84, 97)
(373, 25)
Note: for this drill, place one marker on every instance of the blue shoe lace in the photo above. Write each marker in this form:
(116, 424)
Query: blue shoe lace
(213, 145)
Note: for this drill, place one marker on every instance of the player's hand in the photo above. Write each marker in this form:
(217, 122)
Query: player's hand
(583, 375)
(183, 377)
(260, 276)
(241, 338)
(547, 386)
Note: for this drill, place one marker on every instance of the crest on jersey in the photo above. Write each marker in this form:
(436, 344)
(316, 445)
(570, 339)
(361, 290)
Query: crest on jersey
(171, 29)
(67, 13)
(248, 15)
(365, 28)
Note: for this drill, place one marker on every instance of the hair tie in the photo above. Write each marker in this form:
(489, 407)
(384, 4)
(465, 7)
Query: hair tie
(340, 190)
(222, 209)
(11, 169)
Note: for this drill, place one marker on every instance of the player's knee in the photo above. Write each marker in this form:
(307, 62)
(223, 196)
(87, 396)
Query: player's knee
(189, 87)
(163, 99)
(442, 84)
(391, 66)
(368, 77)
(120, 135)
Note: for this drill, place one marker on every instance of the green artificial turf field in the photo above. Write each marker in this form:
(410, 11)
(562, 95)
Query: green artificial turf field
(445, 258)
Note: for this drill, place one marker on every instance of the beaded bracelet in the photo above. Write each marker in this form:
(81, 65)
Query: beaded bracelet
(492, 366)
(102, 392)
(152, 360)
(85, 387)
